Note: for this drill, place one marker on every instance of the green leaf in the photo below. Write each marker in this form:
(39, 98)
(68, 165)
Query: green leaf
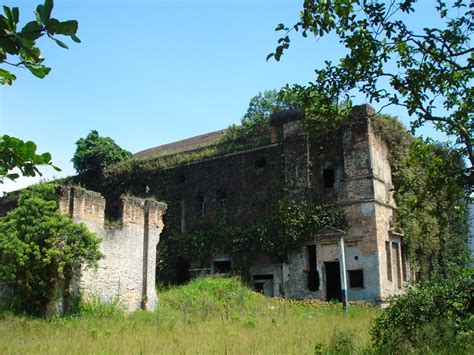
(6, 78)
(16, 14)
(279, 27)
(58, 42)
(38, 70)
(48, 7)
(31, 31)
(11, 23)
(8, 45)
(40, 17)
(270, 56)
(69, 28)
(66, 28)
(75, 39)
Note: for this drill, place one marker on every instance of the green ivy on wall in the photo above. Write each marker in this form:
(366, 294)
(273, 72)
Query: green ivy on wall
(288, 226)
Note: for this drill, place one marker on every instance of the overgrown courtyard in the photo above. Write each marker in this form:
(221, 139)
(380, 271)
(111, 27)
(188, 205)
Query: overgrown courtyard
(207, 316)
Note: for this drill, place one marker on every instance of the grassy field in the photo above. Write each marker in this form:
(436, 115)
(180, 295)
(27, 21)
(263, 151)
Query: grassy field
(207, 316)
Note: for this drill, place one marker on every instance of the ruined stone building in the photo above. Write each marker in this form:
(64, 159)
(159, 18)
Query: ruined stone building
(350, 170)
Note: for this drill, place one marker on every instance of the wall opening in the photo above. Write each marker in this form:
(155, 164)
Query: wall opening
(329, 178)
(333, 281)
(404, 264)
(388, 260)
(356, 278)
(222, 266)
(258, 287)
(200, 204)
(398, 271)
(263, 284)
(313, 274)
(221, 199)
(182, 271)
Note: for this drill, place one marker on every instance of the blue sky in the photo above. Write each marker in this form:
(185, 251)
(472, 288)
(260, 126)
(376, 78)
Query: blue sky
(153, 72)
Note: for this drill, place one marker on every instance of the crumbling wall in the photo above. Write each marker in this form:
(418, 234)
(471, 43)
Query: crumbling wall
(127, 272)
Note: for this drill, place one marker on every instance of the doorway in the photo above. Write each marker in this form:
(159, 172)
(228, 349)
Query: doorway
(333, 281)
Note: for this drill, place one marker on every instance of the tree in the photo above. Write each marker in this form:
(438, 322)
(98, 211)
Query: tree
(429, 191)
(94, 153)
(256, 118)
(428, 72)
(18, 49)
(39, 246)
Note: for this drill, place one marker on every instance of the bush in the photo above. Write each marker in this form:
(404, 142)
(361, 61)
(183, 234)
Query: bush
(39, 247)
(437, 315)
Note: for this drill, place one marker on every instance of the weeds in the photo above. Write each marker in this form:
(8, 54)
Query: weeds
(209, 315)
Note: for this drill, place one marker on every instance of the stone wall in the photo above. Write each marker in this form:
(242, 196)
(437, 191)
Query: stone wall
(127, 272)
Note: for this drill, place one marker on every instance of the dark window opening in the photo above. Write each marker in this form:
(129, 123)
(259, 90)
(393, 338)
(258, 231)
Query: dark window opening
(404, 263)
(221, 198)
(182, 271)
(258, 287)
(356, 278)
(222, 267)
(263, 277)
(260, 163)
(313, 274)
(388, 257)
(329, 178)
(398, 271)
(200, 204)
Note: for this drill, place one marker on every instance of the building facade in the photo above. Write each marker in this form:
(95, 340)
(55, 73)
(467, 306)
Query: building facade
(350, 170)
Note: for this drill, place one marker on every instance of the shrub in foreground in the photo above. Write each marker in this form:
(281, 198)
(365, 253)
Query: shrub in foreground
(436, 315)
(39, 247)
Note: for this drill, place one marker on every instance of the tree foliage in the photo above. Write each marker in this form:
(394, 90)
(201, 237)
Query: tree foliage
(429, 190)
(427, 71)
(254, 123)
(434, 316)
(94, 153)
(39, 246)
(15, 153)
(18, 47)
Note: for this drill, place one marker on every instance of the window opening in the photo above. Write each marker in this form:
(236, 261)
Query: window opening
(258, 287)
(329, 178)
(221, 198)
(356, 278)
(222, 266)
(398, 271)
(388, 257)
(200, 204)
(263, 277)
(404, 263)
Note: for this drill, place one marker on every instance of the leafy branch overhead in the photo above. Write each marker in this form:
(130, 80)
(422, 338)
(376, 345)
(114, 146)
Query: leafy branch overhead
(18, 46)
(427, 71)
(15, 153)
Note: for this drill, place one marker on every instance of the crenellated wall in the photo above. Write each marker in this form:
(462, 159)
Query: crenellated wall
(127, 271)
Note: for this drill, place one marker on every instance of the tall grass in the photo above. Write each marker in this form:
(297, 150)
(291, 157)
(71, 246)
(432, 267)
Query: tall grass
(207, 316)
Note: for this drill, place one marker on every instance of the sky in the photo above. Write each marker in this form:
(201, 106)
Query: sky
(150, 72)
